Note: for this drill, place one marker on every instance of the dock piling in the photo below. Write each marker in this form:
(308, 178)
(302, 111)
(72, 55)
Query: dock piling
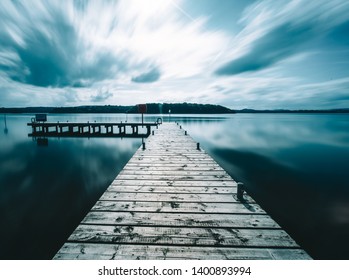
(240, 191)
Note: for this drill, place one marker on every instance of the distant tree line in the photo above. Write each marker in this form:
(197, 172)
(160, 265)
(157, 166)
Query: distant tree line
(183, 108)
(251, 111)
(152, 108)
(157, 108)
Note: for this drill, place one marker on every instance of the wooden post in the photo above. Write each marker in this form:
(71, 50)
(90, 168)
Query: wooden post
(148, 130)
(185, 132)
(240, 191)
(152, 133)
(198, 146)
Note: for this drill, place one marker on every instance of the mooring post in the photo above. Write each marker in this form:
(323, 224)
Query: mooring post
(240, 191)
(180, 127)
(185, 132)
(198, 146)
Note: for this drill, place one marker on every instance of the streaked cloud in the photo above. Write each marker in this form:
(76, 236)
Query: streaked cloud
(259, 54)
(149, 77)
(101, 96)
(275, 30)
(46, 48)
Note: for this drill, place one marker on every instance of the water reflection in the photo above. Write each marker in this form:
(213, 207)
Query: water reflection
(43, 142)
(5, 122)
(46, 191)
(295, 166)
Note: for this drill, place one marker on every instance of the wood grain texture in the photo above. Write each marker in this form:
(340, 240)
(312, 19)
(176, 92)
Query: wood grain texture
(171, 189)
(180, 219)
(177, 207)
(183, 236)
(172, 201)
(97, 251)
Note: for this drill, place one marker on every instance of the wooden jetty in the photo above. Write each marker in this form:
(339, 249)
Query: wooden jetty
(61, 129)
(173, 201)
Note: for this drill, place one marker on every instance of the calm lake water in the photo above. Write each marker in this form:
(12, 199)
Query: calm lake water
(294, 165)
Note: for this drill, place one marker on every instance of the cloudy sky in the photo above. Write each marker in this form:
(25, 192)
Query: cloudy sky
(262, 54)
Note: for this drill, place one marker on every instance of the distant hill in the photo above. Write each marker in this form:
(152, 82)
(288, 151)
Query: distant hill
(184, 108)
(152, 108)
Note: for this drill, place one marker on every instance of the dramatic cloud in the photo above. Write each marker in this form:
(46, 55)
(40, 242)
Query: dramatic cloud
(277, 30)
(244, 53)
(62, 44)
(44, 47)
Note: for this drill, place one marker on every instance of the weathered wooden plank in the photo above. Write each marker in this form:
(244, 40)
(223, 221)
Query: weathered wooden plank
(174, 173)
(180, 166)
(192, 207)
(161, 167)
(153, 150)
(171, 189)
(175, 177)
(178, 152)
(180, 219)
(142, 252)
(175, 197)
(167, 144)
(170, 165)
(199, 157)
(171, 161)
(191, 183)
(183, 236)
(140, 155)
(173, 149)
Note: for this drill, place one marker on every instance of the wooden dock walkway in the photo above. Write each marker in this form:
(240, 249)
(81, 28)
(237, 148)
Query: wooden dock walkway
(172, 201)
(93, 129)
